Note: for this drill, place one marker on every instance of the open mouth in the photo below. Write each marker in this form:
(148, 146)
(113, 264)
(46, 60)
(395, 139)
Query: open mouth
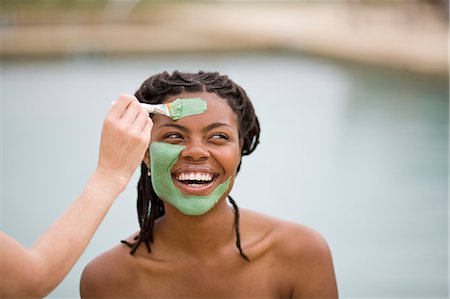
(195, 182)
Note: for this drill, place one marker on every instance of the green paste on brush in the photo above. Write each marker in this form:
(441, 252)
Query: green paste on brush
(163, 157)
(185, 107)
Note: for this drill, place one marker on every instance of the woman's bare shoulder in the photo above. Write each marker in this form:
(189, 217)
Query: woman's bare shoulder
(107, 274)
(301, 252)
(288, 239)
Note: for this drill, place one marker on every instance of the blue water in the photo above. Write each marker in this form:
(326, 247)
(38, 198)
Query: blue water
(359, 154)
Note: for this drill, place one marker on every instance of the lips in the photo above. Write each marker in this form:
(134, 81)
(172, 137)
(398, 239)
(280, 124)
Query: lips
(198, 182)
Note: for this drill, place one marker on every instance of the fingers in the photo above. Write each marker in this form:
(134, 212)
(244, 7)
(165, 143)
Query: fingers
(121, 105)
(127, 110)
(133, 117)
(147, 130)
(142, 120)
(132, 112)
(142, 127)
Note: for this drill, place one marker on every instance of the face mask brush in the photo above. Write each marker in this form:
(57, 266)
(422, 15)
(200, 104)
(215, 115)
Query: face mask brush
(178, 108)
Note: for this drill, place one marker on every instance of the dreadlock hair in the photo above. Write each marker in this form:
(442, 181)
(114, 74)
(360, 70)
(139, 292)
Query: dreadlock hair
(156, 90)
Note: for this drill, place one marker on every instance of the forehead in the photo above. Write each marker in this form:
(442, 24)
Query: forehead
(217, 110)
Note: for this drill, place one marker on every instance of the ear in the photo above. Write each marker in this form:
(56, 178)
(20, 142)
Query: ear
(146, 159)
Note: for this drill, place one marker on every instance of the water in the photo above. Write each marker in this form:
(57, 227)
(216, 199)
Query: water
(359, 154)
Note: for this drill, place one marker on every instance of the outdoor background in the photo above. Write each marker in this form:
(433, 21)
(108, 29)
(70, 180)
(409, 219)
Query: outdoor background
(352, 98)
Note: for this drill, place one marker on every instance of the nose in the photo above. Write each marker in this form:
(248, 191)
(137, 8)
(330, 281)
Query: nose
(195, 151)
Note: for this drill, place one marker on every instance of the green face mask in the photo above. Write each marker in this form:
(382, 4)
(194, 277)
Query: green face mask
(163, 157)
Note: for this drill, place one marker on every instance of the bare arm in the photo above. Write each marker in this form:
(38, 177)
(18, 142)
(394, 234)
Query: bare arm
(311, 266)
(37, 271)
(320, 280)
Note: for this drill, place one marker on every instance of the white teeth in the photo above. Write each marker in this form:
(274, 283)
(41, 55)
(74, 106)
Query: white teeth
(195, 176)
(194, 185)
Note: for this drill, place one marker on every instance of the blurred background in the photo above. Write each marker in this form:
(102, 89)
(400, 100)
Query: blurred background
(352, 98)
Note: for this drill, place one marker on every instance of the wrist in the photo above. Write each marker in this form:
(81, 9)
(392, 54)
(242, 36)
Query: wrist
(106, 183)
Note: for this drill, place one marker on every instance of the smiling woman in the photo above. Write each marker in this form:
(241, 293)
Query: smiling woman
(196, 245)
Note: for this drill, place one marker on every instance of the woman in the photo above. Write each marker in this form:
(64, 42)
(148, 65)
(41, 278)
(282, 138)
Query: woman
(35, 272)
(195, 244)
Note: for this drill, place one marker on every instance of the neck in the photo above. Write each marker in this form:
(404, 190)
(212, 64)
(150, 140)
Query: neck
(201, 236)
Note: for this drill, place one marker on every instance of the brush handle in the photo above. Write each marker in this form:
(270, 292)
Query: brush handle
(149, 108)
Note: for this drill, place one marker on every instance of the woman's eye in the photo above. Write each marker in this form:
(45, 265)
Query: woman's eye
(173, 136)
(220, 136)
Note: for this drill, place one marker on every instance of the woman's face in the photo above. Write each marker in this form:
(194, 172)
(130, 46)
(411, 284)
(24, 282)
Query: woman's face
(211, 139)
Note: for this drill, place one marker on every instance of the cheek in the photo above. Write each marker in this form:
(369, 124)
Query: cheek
(229, 159)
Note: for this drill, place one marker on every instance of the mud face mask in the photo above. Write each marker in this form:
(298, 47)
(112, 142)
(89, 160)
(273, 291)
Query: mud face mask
(163, 157)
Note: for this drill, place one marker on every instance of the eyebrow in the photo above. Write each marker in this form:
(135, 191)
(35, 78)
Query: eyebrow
(208, 128)
(174, 126)
(216, 125)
